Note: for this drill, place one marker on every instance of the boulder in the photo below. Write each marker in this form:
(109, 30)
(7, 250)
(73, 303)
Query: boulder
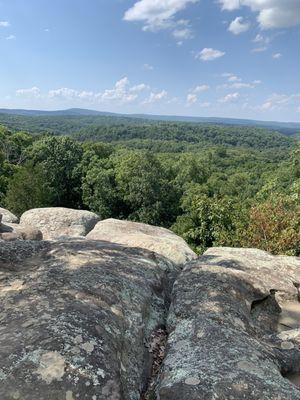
(55, 222)
(132, 234)
(11, 232)
(226, 336)
(8, 217)
(77, 317)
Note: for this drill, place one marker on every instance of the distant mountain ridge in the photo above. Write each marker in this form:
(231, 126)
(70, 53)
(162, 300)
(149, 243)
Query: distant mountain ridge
(287, 128)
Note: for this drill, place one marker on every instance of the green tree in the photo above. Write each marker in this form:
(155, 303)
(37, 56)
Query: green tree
(59, 158)
(207, 221)
(28, 189)
(144, 188)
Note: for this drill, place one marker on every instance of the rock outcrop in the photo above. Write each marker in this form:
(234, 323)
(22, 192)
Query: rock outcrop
(101, 318)
(76, 318)
(55, 222)
(223, 328)
(8, 217)
(132, 234)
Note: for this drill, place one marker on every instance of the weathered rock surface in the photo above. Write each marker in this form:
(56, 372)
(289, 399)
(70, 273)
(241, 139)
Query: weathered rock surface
(160, 240)
(11, 232)
(8, 216)
(76, 317)
(223, 342)
(54, 222)
(84, 319)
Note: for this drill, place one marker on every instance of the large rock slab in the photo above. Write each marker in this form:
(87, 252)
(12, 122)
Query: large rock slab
(223, 338)
(54, 222)
(133, 234)
(8, 217)
(75, 319)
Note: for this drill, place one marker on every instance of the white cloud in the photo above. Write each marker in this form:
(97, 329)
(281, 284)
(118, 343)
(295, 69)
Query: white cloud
(279, 101)
(121, 93)
(236, 82)
(209, 54)
(230, 98)
(70, 94)
(298, 110)
(271, 13)
(11, 37)
(155, 97)
(4, 24)
(234, 78)
(183, 34)
(34, 91)
(238, 26)
(259, 49)
(200, 88)
(148, 67)
(230, 4)
(276, 56)
(160, 14)
(191, 99)
(139, 88)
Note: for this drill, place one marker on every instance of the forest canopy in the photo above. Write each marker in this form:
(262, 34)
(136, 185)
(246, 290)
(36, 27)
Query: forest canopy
(213, 185)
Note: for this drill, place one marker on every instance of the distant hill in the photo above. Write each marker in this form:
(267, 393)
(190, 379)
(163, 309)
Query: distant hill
(287, 128)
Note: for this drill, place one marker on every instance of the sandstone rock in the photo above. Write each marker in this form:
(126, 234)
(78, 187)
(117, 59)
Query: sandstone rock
(223, 341)
(56, 221)
(18, 232)
(76, 317)
(159, 240)
(8, 216)
(11, 236)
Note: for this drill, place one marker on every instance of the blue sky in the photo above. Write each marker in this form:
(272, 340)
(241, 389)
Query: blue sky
(226, 58)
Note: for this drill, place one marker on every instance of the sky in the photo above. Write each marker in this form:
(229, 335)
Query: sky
(210, 58)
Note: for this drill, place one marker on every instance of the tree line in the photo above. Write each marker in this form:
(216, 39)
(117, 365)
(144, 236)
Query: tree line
(220, 194)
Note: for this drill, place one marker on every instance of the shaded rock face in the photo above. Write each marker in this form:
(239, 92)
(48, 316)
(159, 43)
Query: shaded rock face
(223, 339)
(76, 317)
(55, 222)
(8, 217)
(12, 232)
(159, 240)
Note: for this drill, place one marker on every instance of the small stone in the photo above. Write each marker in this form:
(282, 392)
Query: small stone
(193, 381)
(287, 345)
(69, 395)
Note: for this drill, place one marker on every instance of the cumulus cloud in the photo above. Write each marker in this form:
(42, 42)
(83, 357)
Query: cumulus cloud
(156, 14)
(121, 93)
(276, 56)
(160, 14)
(4, 24)
(209, 54)
(156, 97)
(234, 82)
(230, 98)
(271, 13)
(34, 92)
(191, 99)
(238, 26)
(200, 88)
